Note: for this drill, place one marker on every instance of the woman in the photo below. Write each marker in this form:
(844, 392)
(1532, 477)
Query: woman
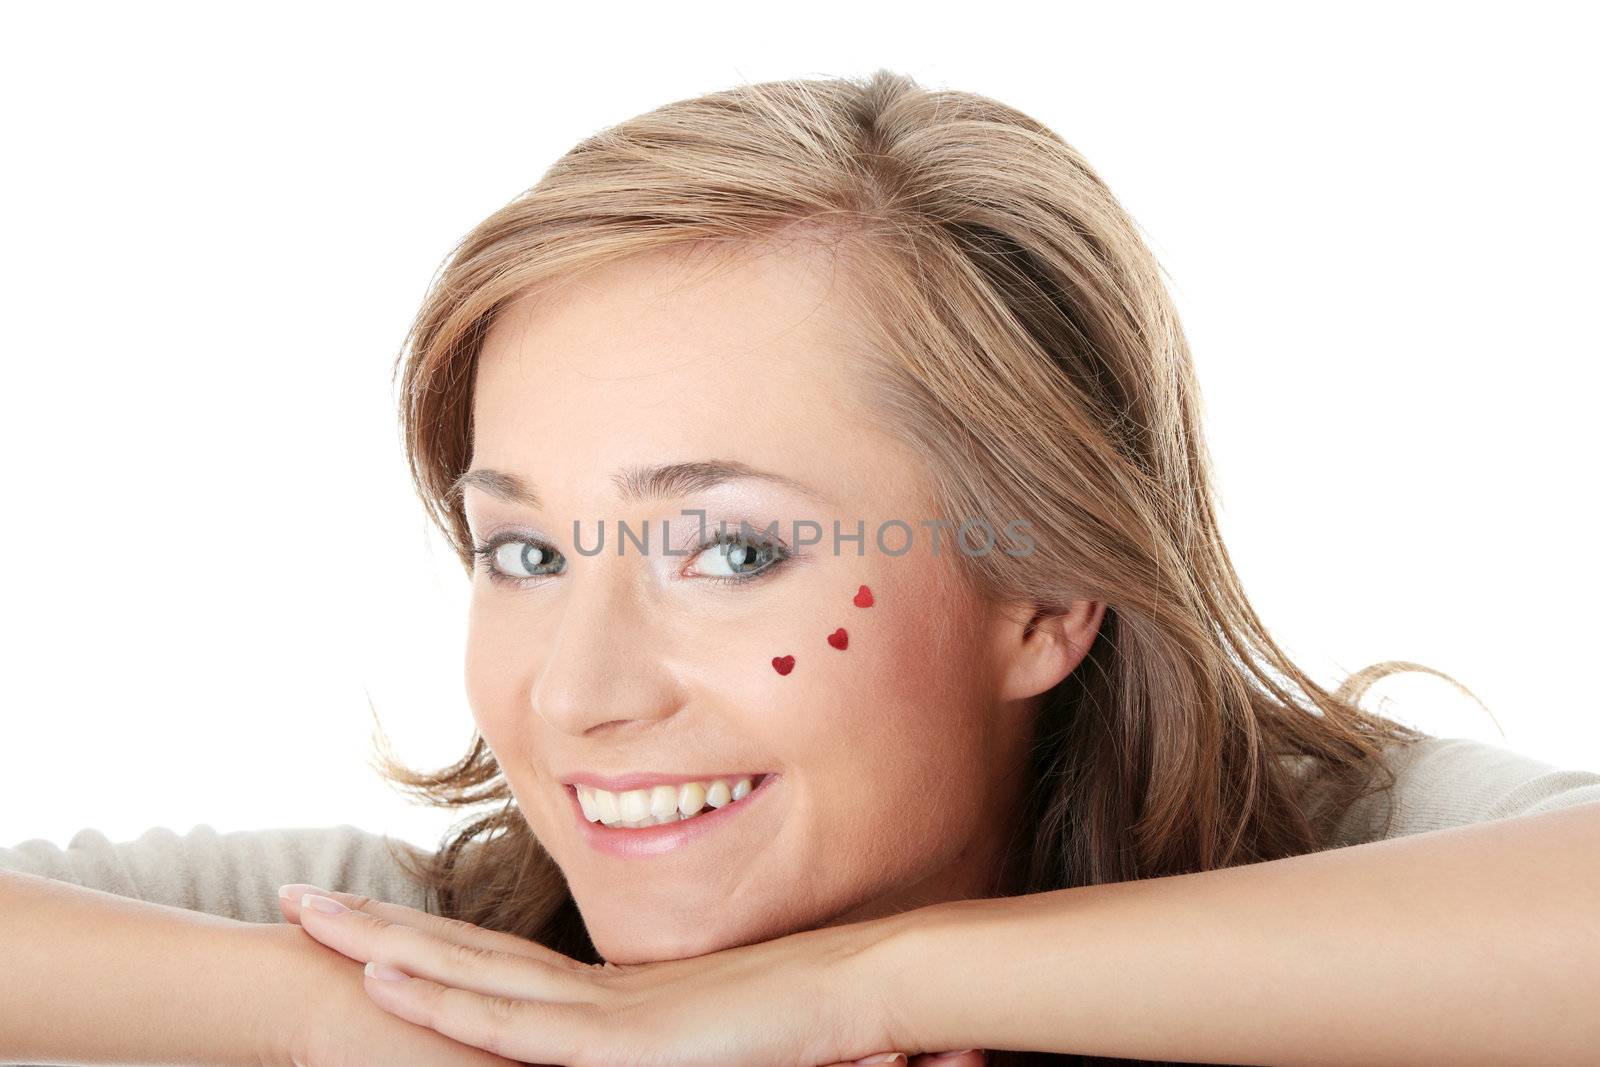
(908, 699)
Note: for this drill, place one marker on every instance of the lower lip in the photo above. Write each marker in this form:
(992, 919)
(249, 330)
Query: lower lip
(654, 840)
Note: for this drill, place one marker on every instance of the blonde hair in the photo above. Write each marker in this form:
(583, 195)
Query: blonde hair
(1016, 331)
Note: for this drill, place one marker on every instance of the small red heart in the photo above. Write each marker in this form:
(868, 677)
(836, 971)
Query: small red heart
(783, 664)
(838, 639)
(863, 598)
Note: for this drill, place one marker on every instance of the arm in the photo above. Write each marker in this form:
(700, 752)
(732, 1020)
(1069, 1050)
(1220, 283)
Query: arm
(1473, 944)
(94, 978)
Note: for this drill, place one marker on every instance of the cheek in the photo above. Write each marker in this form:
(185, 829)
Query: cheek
(497, 669)
(877, 693)
(892, 765)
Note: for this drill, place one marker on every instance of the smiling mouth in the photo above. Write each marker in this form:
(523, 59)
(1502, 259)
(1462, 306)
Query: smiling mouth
(638, 809)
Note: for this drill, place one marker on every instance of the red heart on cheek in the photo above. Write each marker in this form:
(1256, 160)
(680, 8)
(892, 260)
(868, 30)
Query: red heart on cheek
(863, 598)
(783, 664)
(838, 639)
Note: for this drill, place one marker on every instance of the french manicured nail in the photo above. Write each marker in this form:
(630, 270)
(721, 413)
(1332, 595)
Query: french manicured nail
(384, 971)
(884, 1057)
(327, 904)
(295, 890)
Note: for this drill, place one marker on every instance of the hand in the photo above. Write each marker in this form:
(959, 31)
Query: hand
(317, 1014)
(797, 1001)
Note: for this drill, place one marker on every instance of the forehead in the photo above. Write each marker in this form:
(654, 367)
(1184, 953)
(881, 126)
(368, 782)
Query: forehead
(661, 358)
(656, 334)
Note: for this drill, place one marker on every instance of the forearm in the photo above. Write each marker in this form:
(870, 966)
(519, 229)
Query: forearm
(1477, 944)
(90, 977)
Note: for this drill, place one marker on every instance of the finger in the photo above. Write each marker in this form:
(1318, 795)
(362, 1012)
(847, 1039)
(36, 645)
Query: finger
(972, 1057)
(440, 926)
(364, 937)
(532, 1031)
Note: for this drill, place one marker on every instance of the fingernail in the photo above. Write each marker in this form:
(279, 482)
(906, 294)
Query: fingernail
(327, 904)
(295, 890)
(952, 1055)
(884, 1057)
(384, 971)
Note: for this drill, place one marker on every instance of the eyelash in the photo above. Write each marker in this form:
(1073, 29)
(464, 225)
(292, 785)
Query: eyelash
(484, 559)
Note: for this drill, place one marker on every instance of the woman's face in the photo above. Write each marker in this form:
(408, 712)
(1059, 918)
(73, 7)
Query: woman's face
(895, 760)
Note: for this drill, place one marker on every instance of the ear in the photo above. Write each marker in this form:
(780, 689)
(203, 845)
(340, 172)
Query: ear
(1039, 646)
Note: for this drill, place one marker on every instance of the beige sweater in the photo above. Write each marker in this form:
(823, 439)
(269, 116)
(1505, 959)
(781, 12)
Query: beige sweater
(1440, 782)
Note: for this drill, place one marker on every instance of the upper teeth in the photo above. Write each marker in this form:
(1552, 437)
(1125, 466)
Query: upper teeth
(663, 803)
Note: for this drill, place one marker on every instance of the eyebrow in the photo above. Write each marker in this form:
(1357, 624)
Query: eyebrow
(637, 484)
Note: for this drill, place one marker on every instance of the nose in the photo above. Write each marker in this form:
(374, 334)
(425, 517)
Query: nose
(604, 668)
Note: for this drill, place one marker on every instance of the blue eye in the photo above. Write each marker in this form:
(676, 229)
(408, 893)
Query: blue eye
(515, 560)
(736, 553)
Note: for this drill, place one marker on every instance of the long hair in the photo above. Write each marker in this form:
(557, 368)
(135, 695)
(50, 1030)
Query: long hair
(1015, 330)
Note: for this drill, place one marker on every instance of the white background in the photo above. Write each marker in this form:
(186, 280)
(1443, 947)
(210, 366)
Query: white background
(1379, 222)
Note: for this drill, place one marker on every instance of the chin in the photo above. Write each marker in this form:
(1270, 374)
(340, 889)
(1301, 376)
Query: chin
(684, 936)
(642, 943)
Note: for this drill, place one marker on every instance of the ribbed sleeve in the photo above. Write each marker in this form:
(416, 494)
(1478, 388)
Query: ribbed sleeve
(235, 874)
(1442, 782)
